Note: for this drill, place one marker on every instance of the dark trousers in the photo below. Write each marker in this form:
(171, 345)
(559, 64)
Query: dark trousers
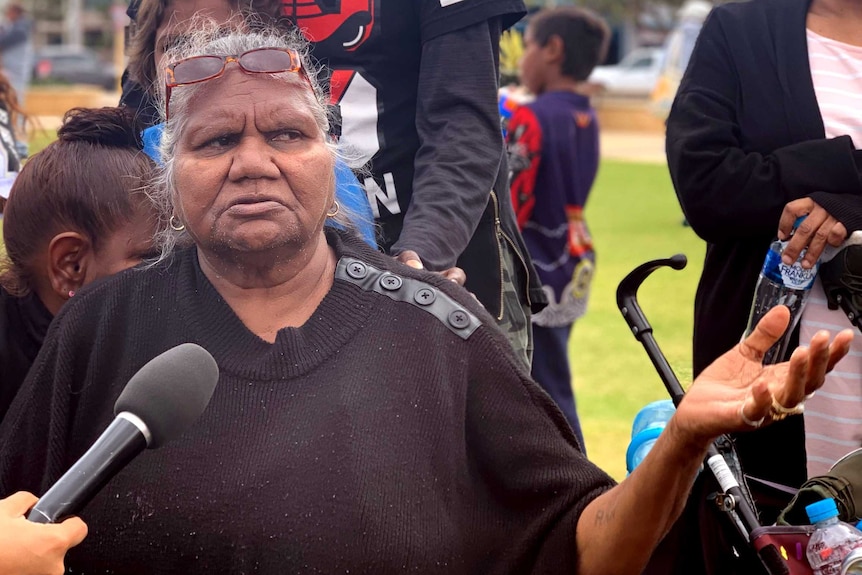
(551, 371)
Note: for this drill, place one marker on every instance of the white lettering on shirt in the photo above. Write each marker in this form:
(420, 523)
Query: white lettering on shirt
(385, 196)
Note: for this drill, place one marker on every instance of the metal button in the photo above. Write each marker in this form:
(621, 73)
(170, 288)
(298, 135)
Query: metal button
(390, 282)
(425, 296)
(459, 319)
(357, 270)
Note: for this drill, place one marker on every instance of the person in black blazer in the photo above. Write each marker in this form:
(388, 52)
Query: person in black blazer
(744, 138)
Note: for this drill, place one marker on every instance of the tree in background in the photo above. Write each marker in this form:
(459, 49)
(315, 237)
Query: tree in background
(511, 50)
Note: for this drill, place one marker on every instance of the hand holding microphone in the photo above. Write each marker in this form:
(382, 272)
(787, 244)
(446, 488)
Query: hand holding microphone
(31, 549)
(163, 399)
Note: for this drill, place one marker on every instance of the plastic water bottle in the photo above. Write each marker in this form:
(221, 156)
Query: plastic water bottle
(780, 284)
(832, 540)
(647, 426)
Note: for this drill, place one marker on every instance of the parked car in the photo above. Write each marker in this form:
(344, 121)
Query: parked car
(68, 65)
(634, 76)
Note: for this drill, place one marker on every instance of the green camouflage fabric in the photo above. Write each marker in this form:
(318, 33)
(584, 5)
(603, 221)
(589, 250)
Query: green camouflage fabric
(515, 316)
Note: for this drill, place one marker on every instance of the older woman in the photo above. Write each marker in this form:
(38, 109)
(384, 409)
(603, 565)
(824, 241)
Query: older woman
(369, 418)
(158, 23)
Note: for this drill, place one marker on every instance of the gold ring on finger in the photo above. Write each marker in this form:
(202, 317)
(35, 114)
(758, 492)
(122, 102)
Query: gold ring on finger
(778, 412)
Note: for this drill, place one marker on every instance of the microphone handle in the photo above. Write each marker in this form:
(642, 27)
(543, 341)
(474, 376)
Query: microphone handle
(114, 449)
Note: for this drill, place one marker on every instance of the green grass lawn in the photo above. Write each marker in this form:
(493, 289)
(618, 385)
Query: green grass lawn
(634, 217)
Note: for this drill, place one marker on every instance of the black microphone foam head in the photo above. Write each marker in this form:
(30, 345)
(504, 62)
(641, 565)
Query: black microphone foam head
(170, 391)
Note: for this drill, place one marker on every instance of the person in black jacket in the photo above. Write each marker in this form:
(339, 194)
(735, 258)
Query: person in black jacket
(745, 142)
(369, 416)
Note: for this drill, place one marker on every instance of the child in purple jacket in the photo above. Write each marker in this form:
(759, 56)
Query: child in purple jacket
(554, 156)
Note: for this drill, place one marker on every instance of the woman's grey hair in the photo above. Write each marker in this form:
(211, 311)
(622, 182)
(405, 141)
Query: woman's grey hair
(212, 38)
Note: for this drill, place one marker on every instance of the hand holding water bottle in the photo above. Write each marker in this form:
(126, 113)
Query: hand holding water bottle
(781, 283)
(818, 230)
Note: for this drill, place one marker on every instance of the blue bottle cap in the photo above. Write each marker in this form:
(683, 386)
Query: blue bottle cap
(820, 510)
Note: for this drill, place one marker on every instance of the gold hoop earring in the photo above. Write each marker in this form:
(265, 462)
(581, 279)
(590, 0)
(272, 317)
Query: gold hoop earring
(333, 213)
(174, 226)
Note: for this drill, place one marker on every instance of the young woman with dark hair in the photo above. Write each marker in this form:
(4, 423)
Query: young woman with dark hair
(78, 211)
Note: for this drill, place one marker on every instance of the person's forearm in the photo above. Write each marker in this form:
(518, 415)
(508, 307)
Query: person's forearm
(727, 193)
(458, 123)
(846, 208)
(618, 531)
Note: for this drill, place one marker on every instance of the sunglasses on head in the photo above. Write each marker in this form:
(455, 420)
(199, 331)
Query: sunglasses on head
(202, 68)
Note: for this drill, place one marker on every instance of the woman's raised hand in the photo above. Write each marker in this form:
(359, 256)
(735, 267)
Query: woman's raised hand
(737, 393)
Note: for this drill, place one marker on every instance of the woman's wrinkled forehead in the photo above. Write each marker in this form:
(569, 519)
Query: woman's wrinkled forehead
(291, 94)
(236, 96)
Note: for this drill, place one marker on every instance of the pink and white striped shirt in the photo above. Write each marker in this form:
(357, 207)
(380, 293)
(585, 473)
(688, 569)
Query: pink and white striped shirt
(833, 417)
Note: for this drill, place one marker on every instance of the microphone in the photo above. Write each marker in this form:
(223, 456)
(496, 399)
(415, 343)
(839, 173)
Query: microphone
(163, 399)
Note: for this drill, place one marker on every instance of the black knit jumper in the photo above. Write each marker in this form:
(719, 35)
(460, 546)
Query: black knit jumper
(383, 436)
(24, 322)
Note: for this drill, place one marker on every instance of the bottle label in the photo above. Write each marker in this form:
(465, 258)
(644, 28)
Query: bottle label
(796, 277)
(793, 276)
